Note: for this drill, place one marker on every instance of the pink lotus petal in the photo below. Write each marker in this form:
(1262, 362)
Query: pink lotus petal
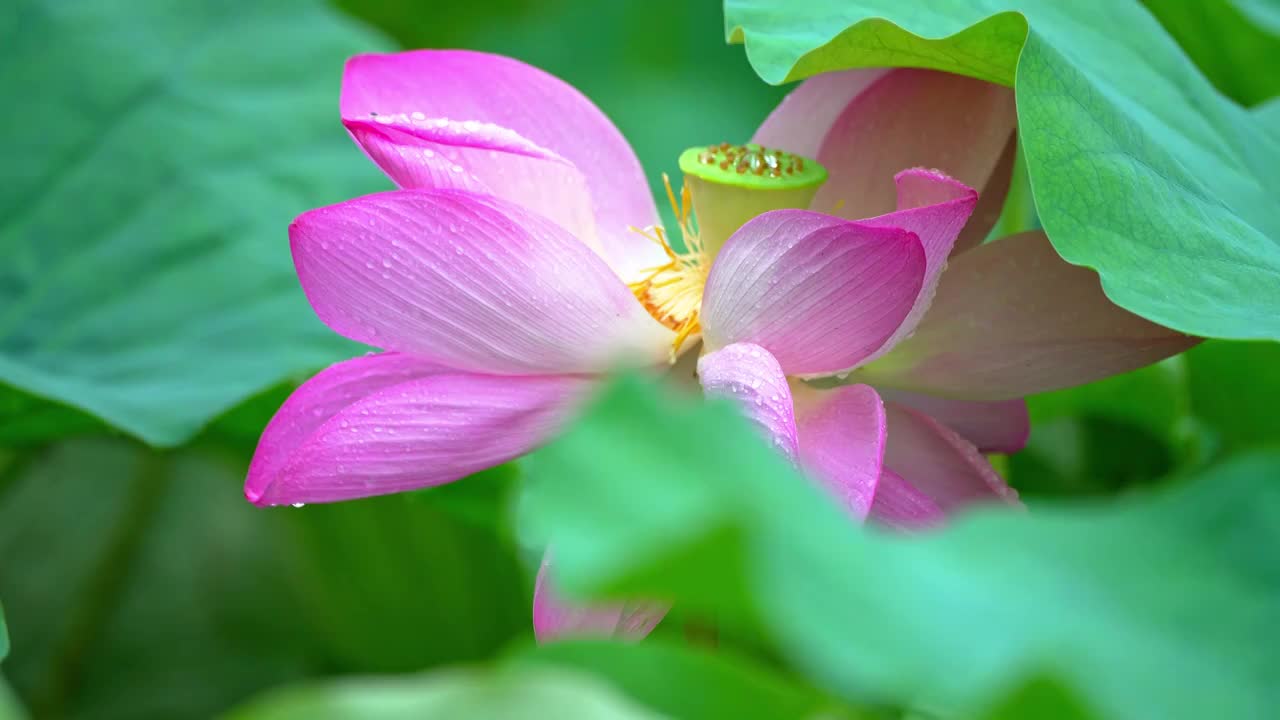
(463, 85)
(900, 505)
(999, 427)
(941, 464)
(842, 442)
(554, 618)
(332, 390)
(991, 199)
(469, 281)
(912, 118)
(751, 377)
(421, 152)
(935, 208)
(818, 292)
(1011, 318)
(801, 121)
(420, 433)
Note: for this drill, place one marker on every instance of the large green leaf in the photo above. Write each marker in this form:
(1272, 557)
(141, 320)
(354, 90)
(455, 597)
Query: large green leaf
(523, 694)
(1153, 606)
(1139, 167)
(153, 159)
(142, 585)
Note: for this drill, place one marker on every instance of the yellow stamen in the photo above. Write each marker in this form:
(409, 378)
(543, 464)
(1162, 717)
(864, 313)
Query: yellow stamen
(672, 293)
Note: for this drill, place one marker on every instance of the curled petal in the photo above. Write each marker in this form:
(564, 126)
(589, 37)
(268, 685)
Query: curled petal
(471, 282)
(819, 293)
(501, 92)
(421, 152)
(554, 618)
(912, 118)
(992, 427)
(939, 463)
(935, 208)
(415, 434)
(842, 442)
(751, 377)
(1011, 318)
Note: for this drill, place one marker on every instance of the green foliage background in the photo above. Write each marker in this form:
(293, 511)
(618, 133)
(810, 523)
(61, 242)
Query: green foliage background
(150, 323)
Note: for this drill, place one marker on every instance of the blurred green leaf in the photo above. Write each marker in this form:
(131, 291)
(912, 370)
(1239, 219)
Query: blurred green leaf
(149, 178)
(1140, 168)
(142, 585)
(1107, 436)
(1040, 698)
(690, 683)
(1151, 606)
(29, 420)
(10, 708)
(1233, 42)
(1235, 391)
(4, 636)
(396, 583)
(521, 694)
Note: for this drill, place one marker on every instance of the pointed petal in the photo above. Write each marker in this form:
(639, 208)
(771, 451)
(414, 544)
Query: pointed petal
(992, 427)
(420, 152)
(939, 463)
(900, 505)
(818, 292)
(801, 121)
(842, 442)
(421, 433)
(471, 282)
(752, 378)
(463, 85)
(1011, 318)
(554, 618)
(317, 400)
(912, 118)
(935, 208)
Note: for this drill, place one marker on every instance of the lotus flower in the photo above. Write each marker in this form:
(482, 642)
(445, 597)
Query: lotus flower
(521, 258)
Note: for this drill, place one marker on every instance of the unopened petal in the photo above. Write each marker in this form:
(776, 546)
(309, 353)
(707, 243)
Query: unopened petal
(912, 118)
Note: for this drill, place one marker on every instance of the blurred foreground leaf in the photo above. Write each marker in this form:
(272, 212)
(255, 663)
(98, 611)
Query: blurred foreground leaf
(149, 177)
(688, 682)
(519, 694)
(1162, 605)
